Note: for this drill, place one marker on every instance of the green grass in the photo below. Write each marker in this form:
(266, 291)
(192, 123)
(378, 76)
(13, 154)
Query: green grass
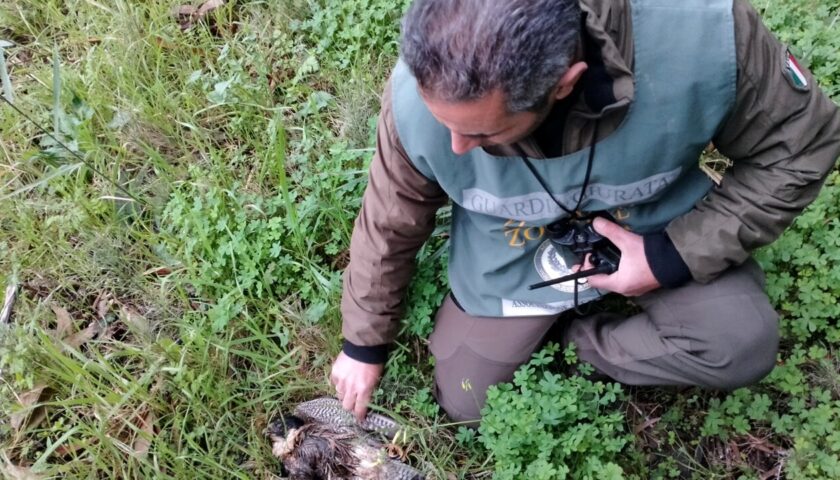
(214, 301)
(248, 125)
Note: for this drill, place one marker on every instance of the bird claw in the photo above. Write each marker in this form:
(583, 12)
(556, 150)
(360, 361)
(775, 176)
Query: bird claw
(396, 452)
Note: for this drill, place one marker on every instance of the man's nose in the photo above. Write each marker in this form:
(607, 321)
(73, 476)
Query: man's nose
(462, 144)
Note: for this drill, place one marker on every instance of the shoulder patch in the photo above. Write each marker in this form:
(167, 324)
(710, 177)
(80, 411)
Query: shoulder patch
(794, 74)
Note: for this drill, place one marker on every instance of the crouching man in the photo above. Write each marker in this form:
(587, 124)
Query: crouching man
(532, 116)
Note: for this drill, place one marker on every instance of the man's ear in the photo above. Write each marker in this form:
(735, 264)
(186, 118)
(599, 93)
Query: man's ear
(569, 79)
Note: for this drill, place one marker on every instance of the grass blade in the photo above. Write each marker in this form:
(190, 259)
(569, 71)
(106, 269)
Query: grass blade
(58, 172)
(56, 93)
(4, 74)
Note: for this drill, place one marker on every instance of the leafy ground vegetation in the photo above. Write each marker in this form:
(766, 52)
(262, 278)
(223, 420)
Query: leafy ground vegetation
(154, 338)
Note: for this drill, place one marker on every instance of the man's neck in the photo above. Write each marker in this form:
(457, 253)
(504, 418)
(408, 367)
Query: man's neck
(594, 92)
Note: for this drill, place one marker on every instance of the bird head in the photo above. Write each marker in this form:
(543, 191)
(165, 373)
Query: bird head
(281, 426)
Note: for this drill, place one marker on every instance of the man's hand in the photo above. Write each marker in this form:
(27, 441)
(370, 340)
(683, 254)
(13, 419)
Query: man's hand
(633, 277)
(354, 383)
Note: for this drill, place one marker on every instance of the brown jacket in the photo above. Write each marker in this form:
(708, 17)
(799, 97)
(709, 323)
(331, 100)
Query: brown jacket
(782, 141)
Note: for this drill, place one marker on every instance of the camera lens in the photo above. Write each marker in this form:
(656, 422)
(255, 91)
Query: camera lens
(557, 229)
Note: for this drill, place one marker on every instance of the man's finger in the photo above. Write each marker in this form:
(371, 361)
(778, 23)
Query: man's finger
(361, 405)
(601, 281)
(339, 388)
(614, 232)
(349, 401)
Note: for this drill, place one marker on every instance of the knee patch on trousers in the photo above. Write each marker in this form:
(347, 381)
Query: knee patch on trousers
(472, 353)
(462, 380)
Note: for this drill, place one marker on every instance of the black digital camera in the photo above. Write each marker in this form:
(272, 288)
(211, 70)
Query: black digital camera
(578, 235)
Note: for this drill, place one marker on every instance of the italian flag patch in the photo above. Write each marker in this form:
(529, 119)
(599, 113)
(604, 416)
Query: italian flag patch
(794, 73)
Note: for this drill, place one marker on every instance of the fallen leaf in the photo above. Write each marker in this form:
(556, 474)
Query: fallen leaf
(136, 322)
(21, 473)
(164, 44)
(80, 338)
(764, 445)
(187, 10)
(775, 472)
(187, 15)
(159, 384)
(208, 7)
(8, 303)
(144, 439)
(63, 322)
(102, 304)
(67, 449)
(645, 425)
(27, 415)
(158, 271)
(734, 453)
(184, 15)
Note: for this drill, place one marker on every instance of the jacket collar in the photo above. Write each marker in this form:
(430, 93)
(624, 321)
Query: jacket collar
(608, 48)
(608, 84)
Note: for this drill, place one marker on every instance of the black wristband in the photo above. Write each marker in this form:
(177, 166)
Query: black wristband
(375, 354)
(665, 261)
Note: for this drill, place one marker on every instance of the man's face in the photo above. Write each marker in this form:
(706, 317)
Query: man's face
(483, 122)
(486, 121)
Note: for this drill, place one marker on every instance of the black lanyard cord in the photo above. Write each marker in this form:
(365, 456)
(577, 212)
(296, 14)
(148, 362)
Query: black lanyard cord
(586, 177)
(585, 185)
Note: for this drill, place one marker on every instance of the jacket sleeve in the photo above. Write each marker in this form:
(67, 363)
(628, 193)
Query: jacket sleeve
(782, 141)
(396, 218)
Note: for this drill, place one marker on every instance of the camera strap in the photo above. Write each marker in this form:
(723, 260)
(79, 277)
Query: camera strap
(586, 177)
(572, 212)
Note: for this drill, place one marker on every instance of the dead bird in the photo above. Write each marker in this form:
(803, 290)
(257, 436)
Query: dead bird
(322, 441)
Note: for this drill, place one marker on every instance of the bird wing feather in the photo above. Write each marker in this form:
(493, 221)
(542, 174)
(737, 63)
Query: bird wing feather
(328, 410)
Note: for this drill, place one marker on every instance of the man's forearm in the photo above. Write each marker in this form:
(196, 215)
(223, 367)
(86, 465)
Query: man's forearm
(396, 218)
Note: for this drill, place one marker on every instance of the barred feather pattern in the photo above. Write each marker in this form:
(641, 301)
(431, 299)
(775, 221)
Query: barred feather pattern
(328, 410)
(331, 445)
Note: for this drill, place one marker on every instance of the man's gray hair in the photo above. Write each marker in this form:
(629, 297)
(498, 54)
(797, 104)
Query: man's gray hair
(463, 49)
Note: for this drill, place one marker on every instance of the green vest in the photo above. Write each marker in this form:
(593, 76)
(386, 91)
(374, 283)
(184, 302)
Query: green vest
(647, 170)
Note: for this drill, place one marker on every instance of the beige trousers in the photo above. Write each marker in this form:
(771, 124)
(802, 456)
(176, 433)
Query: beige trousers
(719, 335)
